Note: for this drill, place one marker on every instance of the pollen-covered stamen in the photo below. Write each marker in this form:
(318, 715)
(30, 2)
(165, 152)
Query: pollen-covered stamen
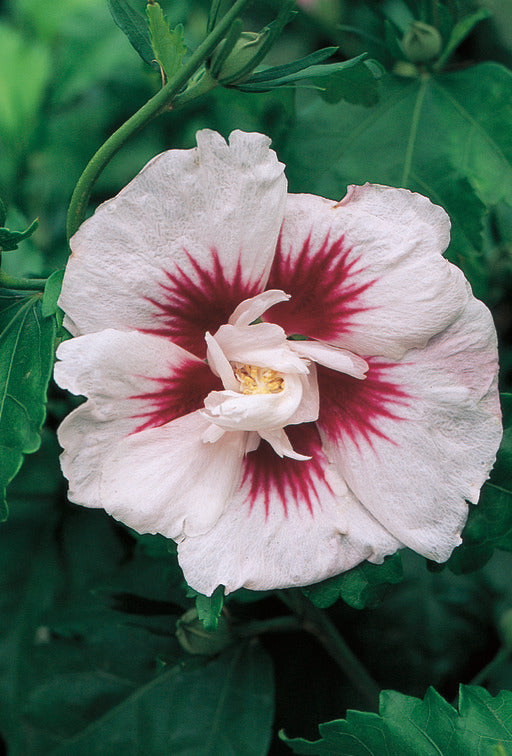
(258, 380)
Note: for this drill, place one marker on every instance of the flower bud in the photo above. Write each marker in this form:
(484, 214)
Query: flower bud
(245, 50)
(421, 42)
(195, 639)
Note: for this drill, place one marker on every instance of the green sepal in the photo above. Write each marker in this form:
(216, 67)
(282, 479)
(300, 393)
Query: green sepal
(269, 35)
(408, 725)
(212, 15)
(277, 72)
(209, 608)
(51, 293)
(132, 22)
(9, 240)
(168, 45)
(459, 33)
(226, 47)
(354, 80)
(362, 586)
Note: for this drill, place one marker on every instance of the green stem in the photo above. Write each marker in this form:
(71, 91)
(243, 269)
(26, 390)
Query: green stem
(316, 622)
(21, 284)
(495, 663)
(154, 107)
(275, 625)
(413, 131)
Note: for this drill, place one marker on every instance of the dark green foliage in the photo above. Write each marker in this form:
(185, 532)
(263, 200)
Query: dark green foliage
(489, 525)
(26, 348)
(9, 240)
(362, 586)
(51, 293)
(209, 608)
(467, 165)
(406, 725)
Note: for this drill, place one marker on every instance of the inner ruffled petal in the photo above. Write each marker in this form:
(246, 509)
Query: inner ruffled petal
(263, 344)
(251, 309)
(254, 412)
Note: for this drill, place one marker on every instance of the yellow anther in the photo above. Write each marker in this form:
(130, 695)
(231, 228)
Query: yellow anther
(258, 380)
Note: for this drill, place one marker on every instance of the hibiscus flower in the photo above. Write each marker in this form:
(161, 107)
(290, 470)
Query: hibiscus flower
(283, 384)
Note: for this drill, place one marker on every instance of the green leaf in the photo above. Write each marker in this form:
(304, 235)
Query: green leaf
(209, 608)
(277, 72)
(3, 212)
(362, 586)
(223, 707)
(427, 134)
(407, 725)
(26, 361)
(167, 44)
(9, 240)
(354, 80)
(489, 525)
(459, 33)
(51, 293)
(129, 16)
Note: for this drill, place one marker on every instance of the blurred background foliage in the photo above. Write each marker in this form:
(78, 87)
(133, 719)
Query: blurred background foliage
(88, 660)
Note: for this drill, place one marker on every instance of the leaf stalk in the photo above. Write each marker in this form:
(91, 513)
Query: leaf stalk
(154, 107)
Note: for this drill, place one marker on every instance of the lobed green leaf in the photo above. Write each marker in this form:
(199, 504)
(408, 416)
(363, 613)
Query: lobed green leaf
(209, 608)
(363, 586)
(9, 240)
(168, 46)
(447, 136)
(428, 727)
(26, 361)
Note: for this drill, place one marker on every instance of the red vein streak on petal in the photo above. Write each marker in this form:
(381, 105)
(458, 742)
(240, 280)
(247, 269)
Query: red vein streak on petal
(179, 393)
(197, 301)
(353, 408)
(267, 476)
(324, 287)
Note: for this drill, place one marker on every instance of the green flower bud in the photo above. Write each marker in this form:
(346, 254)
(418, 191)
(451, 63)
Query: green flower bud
(421, 42)
(246, 48)
(195, 639)
(406, 69)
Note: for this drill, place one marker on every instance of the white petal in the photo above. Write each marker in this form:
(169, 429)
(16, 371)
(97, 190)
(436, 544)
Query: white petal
(308, 409)
(332, 357)
(262, 344)
(220, 364)
(254, 412)
(366, 274)
(280, 443)
(183, 213)
(251, 309)
(415, 474)
(167, 480)
(115, 370)
(259, 543)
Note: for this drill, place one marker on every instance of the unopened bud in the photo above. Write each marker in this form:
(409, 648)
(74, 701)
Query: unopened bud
(245, 50)
(421, 42)
(195, 639)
